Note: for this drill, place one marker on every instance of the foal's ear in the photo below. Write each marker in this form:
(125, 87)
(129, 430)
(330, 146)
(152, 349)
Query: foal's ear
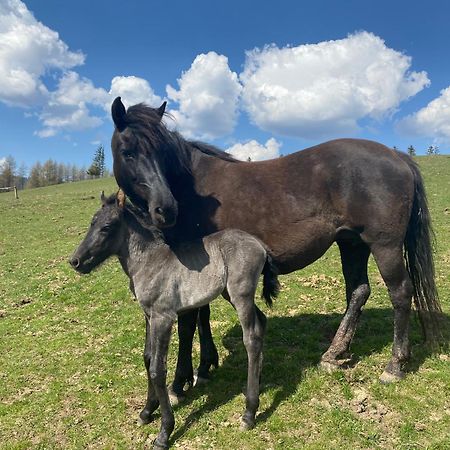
(162, 109)
(103, 198)
(119, 114)
(121, 197)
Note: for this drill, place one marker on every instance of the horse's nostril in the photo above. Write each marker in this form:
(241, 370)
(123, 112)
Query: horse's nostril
(159, 211)
(75, 262)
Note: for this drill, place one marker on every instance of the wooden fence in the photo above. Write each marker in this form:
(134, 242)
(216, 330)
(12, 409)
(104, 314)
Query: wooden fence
(9, 189)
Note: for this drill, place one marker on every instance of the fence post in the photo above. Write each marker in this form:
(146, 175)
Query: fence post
(15, 193)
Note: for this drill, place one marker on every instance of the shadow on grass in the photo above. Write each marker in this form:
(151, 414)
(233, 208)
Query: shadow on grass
(292, 345)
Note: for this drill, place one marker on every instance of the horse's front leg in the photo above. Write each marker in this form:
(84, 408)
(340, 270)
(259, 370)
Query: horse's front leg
(146, 415)
(184, 372)
(208, 351)
(160, 330)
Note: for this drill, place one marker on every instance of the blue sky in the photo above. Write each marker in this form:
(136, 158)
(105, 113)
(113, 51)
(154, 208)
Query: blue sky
(324, 69)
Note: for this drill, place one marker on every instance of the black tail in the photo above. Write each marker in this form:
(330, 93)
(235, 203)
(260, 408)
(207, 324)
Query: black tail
(419, 242)
(271, 286)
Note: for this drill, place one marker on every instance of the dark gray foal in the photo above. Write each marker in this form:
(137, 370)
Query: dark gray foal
(167, 281)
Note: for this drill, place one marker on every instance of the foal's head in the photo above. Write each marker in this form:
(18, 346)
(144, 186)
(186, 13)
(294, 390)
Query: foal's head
(104, 236)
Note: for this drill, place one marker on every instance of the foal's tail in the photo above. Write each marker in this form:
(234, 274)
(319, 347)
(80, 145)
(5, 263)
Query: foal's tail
(271, 285)
(419, 242)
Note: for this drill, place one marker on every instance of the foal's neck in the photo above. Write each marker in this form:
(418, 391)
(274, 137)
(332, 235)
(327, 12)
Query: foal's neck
(140, 242)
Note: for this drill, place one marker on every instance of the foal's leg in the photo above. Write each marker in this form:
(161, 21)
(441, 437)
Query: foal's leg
(184, 372)
(152, 402)
(208, 351)
(354, 257)
(253, 323)
(160, 329)
(392, 268)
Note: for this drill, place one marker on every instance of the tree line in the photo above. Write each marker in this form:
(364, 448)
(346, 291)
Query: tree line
(50, 172)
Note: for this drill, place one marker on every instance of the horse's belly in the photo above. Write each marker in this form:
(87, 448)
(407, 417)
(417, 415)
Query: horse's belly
(200, 288)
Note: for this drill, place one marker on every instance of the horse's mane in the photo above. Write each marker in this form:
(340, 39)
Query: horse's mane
(151, 132)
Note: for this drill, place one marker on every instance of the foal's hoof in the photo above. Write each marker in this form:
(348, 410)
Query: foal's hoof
(159, 446)
(175, 399)
(246, 424)
(144, 418)
(388, 377)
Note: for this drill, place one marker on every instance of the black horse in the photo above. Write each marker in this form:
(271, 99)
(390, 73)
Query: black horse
(361, 194)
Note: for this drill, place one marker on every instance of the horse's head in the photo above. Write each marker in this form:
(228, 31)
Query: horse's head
(103, 237)
(140, 161)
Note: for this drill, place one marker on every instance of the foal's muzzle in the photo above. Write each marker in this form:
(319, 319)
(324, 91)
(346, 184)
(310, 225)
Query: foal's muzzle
(74, 262)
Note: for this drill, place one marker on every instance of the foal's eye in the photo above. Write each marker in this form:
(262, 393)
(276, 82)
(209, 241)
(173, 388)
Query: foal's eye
(128, 154)
(105, 228)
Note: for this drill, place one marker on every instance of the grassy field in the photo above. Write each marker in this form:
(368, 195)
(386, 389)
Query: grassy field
(72, 374)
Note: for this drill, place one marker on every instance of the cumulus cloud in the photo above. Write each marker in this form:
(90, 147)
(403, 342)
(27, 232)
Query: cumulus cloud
(207, 97)
(256, 151)
(431, 121)
(324, 89)
(67, 106)
(132, 90)
(28, 49)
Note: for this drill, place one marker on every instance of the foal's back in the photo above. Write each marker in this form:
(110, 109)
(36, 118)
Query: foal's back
(194, 273)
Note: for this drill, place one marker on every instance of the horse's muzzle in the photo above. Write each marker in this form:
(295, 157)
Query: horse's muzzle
(165, 218)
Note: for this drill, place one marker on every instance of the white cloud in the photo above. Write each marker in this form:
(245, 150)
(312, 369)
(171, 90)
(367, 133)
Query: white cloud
(67, 106)
(325, 88)
(132, 90)
(256, 151)
(207, 97)
(28, 49)
(431, 121)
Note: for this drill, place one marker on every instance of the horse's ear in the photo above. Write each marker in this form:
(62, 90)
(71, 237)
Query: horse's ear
(121, 197)
(162, 109)
(103, 198)
(119, 114)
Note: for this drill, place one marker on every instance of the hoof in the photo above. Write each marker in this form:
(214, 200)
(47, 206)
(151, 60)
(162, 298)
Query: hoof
(174, 398)
(388, 378)
(144, 418)
(246, 424)
(158, 446)
(328, 366)
(200, 381)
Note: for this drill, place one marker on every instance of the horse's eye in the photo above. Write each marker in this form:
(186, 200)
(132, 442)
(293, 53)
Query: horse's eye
(128, 154)
(105, 228)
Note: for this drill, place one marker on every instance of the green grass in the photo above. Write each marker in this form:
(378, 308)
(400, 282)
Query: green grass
(72, 375)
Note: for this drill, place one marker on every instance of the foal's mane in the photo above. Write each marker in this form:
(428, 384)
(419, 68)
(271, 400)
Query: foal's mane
(138, 216)
(151, 132)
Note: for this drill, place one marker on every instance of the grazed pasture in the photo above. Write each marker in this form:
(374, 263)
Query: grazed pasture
(72, 375)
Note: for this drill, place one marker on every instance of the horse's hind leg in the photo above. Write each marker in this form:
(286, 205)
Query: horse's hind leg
(253, 322)
(208, 351)
(391, 264)
(354, 257)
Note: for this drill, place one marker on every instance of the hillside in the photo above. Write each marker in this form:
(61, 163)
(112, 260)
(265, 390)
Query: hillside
(72, 374)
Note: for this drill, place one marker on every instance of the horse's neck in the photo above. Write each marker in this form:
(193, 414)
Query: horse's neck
(139, 246)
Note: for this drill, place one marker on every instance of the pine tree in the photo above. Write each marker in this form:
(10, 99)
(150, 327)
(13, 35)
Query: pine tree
(97, 168)
(411, 151)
